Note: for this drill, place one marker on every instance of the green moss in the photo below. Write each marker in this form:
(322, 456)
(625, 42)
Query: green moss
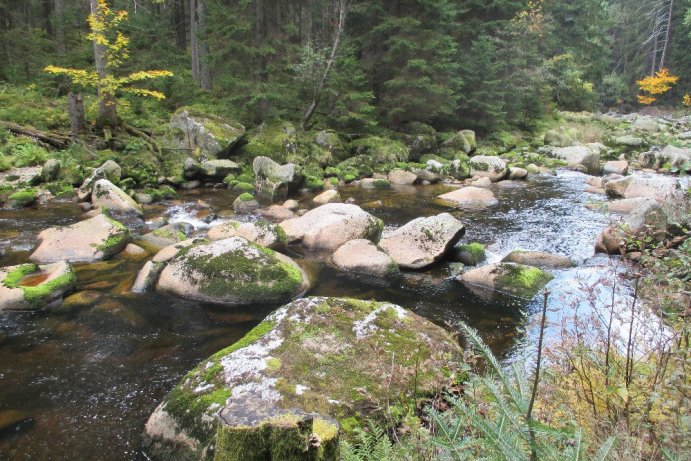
(273, 364)
(116, 241)
(38, 295)
(520, 280)
(246, 197)
(23, 198)
(13, 277)
(381, 184)
(476, 249)
(243, 187)
(168, 233)
(380, 150)
(314, 183)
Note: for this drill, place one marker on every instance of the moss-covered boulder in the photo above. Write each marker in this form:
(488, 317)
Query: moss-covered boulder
(203, 134)
(162, 237)
(577, 157)
(233, 271)
(329, 226)
(470, 254)
(23, 198)
(329, 140)
(422, 241)
(420, 138)
(275, 139)
(30, 286)
(510, 278)
(342, 358)
(380, 150)
(463, 141)
(91, 240)
(109, 170)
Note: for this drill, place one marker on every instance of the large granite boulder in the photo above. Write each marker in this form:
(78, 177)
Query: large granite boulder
(423, 241)
(272, 180)
(642, 185)
(510, 278)
(110, 197)
(579, 157)
(91, 240)
(329, 226)
(205, 135)
(646, 217)
(326, 357)
(30, 286)
(363, 257)
(488, 166)
(233, 271)
(219, 169)
(463, 141)
(470, 197)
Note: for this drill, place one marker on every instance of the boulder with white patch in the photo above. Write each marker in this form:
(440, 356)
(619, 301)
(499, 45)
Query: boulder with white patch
(332, 358)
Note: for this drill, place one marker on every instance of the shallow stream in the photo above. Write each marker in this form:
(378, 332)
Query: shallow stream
(85, 377)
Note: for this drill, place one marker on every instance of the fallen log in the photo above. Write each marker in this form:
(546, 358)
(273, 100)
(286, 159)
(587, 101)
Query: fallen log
(53, 139)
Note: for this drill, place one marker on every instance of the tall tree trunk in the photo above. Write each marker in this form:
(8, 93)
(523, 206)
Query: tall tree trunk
(261, 67)
(340, 25)
(194, 49)
(203, 52)
(180, 24)
(47, 15)
(668, 29)
(59, 25)
(107, 114)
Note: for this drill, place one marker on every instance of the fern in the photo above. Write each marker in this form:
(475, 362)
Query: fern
(371, 445)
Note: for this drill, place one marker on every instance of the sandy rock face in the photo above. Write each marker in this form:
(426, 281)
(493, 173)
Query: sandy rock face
(577, 156)
(233, 271)
(236, 393)
(30, 286)
(107, 195)
(423, 241)
(329, 226)
(91, 240)
(402, 177)
(470, 197)
(362, 256)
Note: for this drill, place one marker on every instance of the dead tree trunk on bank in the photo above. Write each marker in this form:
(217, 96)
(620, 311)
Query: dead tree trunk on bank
(200, 51)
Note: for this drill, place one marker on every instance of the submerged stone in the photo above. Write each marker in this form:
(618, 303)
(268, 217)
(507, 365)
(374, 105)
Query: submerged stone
(339, 358)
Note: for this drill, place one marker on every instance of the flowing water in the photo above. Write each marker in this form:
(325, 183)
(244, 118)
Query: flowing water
(84, 377)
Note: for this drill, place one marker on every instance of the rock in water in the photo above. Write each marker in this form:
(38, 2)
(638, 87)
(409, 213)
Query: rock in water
(514, 279)
(329, 226)
(30, 286)
(402, 177)
(91, 240)
(539, 259)
(233, 271)
(109, 196)
(488, 166)
(314, 355)
(263, 233)
(423, 241)
(470, 197)
(363, 256)
(329, 196)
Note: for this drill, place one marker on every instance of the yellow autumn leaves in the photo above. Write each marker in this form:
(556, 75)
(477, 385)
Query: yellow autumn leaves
(104, 25)
(658, 84)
